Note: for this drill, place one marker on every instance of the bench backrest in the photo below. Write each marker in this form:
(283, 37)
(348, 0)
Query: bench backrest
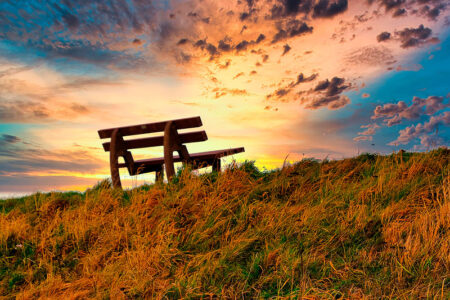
(189, 137)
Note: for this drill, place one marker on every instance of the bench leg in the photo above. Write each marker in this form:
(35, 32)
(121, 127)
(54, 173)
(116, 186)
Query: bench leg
(216, 165)
(113, 160)
(160, 175)
(168, 149)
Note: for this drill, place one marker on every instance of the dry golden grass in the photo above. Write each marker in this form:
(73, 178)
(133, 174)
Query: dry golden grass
(370, 227)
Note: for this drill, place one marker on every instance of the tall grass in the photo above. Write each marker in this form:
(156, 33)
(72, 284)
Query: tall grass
(367, 227)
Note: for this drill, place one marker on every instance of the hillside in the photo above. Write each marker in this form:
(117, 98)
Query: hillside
(372, 225)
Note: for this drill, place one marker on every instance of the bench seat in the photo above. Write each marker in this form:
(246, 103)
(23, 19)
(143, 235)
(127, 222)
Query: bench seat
(154, 164)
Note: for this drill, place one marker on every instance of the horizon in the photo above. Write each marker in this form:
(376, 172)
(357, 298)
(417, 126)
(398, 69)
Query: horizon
(280, 78)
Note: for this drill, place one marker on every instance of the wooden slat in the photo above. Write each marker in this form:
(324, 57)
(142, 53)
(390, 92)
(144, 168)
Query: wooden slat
(202, 156)
(151, 127)
(189, 137)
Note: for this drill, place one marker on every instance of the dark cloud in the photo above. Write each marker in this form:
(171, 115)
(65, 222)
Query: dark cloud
(291, 29)
(318, 9)
(327, 8)
(391, 4)
(260, 38)
(399, 12)
(333, 102)
(326, 93)
(225, 45)
(286, 8)
(137, 42)
(333, 87)
(200, 43)
(183, 41)
(243, 16)
(384, 36)
(394, 113)
(286, 89)
(286, 49)
(430, 9)
(242, 46)
(281, 92)
(7, 138)
(434, 12)
(212, 50)
(301, 78)
(412, 37)
(208, 47)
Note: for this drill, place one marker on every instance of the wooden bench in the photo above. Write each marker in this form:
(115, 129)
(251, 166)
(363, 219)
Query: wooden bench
(171, 141)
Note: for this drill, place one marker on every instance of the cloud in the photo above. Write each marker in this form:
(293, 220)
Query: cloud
(389, 4)
(384, 36)
(286, 89)
(410, 67)
(429, 141)
(238, 75)
(15, 70)
(27, 184)
(415, 131)
(432, 13)
(225, 45)
(24, 100)
(88, 32)
(430, 9)
(318, 9)
(220, 92)
(9, 139)
(327, 93)
(291, 29)
(19, 157)
(367, 135)
(409, 37)
(327, 8)
(287, 8)
(332, 102)
(394, 113)
(370, 56)
(413, 37)
(370, 129)
(333, 87)
(399, 12)
(286, 49)
(363, 138)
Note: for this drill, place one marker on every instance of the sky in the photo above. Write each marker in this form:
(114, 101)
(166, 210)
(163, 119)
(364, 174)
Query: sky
(286, 79)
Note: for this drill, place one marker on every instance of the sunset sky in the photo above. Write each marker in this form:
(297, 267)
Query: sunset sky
(282, 78)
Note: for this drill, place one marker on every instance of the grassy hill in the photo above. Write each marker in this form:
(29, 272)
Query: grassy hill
(375, 226)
